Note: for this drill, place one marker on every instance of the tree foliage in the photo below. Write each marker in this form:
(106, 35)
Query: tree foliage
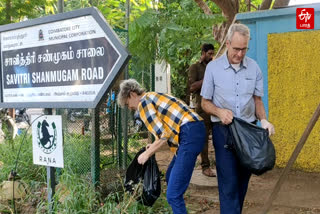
(113, 10)
(12, 11)
(174, 33)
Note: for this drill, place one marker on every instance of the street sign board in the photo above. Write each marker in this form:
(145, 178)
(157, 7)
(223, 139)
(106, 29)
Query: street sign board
(47, 140)
(67, 60)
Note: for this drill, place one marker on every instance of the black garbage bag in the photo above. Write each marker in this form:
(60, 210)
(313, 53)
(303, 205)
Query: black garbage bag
(149, 174)
(151, 182)
(134, 173)
(252, 146)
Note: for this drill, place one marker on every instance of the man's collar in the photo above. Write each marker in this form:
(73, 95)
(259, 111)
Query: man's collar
(244, 62)
(225, 61)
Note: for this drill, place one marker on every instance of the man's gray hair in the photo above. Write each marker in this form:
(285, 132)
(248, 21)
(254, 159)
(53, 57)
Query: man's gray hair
(127, 86)
(240, 28)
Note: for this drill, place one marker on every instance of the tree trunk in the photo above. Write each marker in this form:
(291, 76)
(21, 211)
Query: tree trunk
(8, 10)
(248, 2)
(204, 7)
(281, 3)
(229, 9)
(265, 5)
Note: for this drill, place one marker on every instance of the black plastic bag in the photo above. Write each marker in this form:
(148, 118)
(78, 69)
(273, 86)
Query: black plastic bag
(134, 173)
(148, 173)
(252, 146)
(151, 182)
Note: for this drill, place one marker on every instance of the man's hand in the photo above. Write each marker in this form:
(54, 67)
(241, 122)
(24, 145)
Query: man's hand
(266, 125)
(196, 86)
(226, 116)
(143, 158)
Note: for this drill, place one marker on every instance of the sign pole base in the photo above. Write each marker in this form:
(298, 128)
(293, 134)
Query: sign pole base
(51, 184)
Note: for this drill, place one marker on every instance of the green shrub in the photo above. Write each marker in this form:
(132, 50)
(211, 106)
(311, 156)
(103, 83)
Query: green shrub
(77, 152)
(25, 167)
(121, 203)
(76, 195)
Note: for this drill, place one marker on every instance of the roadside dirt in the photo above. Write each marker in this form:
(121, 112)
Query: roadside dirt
(300, 193)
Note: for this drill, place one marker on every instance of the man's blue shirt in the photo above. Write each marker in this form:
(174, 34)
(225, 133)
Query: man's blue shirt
(232, 89)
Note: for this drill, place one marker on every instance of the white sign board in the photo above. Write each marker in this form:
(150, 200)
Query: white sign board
(162, 75)
(67, 58)
(47, 140)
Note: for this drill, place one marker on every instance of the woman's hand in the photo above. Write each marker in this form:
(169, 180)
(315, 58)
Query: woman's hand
(150, 150)
(143, 158)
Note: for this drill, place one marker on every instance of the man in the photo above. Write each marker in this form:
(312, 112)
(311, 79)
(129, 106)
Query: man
(196, 74)
(169, 120)
(233, 86)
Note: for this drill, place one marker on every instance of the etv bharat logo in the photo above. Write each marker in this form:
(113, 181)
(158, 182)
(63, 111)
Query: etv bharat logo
(46, 141)
(305, 18)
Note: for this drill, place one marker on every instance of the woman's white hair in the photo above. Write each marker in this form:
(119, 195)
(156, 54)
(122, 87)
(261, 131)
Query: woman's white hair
(240, 28)
(127, 86)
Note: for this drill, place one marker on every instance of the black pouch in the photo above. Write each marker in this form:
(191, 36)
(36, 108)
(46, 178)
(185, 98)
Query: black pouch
(148, 173)
(252, 146)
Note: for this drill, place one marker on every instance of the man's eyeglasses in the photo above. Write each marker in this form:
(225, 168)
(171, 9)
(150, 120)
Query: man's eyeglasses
(237, 50)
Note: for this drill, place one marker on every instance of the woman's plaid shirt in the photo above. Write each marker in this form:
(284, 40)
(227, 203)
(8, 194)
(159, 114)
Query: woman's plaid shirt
(163, 115)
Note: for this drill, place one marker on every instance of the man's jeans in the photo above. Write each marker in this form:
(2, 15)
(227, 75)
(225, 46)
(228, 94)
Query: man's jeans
(191, 141)
(233, 179)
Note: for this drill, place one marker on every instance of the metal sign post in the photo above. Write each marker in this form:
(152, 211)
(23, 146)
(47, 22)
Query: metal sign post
(48, 147)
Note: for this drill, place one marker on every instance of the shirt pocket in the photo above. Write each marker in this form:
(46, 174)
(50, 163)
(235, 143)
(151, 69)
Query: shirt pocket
(250, 85)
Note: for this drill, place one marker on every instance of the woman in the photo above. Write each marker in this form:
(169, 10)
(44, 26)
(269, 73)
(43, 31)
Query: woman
(171, 121)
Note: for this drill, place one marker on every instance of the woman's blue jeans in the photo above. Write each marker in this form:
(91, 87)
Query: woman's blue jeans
(191, 141)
